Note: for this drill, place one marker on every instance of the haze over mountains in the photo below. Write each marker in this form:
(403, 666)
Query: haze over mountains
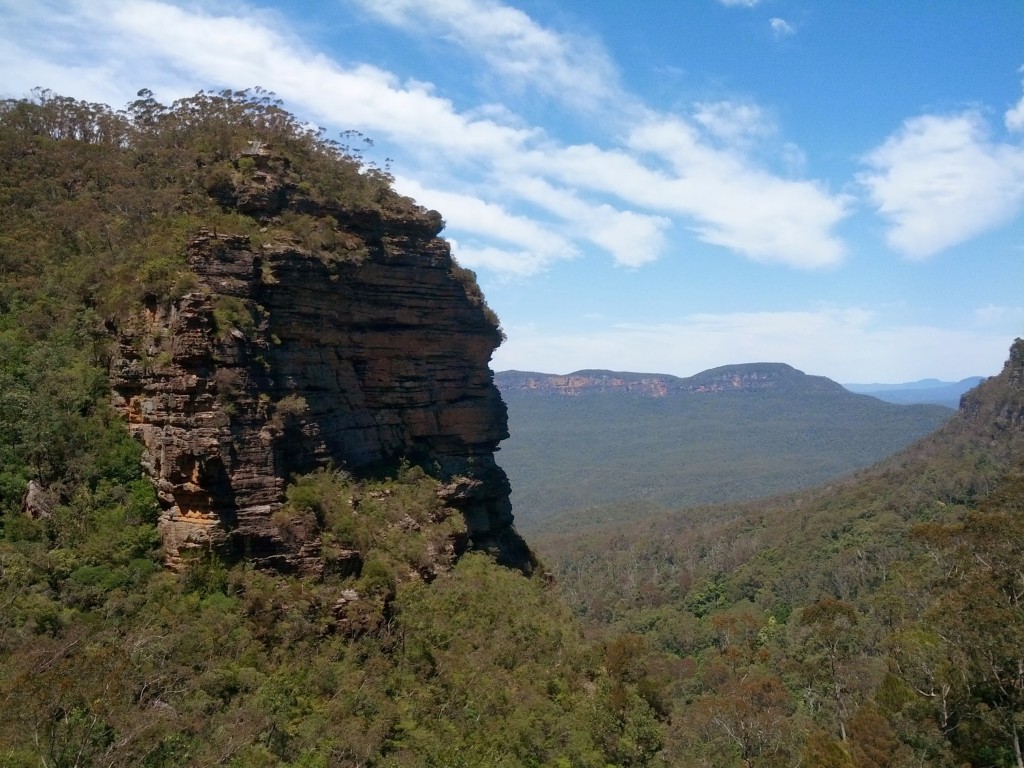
(923, 391)
(596, 437)
(729, 377)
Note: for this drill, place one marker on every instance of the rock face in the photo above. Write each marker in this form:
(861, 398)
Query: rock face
(583, 382)
(761, 377)
(284, 358)
(998, 402)
(37, 502)
(747, 377)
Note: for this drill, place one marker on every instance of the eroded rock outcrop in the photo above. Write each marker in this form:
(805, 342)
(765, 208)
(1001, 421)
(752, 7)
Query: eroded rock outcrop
(285, 357)
(999, 401)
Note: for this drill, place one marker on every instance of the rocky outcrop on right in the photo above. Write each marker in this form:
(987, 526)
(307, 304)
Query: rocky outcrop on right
(998, 402)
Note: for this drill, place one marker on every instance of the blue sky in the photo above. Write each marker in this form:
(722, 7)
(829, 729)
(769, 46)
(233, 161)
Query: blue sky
(667, 185)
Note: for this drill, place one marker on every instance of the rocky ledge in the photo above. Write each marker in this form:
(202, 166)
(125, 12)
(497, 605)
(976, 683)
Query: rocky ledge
(283, 358)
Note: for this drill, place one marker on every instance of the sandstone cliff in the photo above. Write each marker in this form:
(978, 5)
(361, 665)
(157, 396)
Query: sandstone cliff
(997, 404)
(353, 346)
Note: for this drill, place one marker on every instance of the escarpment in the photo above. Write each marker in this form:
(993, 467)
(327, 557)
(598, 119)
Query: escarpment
(995, 408)
(355, 346)
(744, 378)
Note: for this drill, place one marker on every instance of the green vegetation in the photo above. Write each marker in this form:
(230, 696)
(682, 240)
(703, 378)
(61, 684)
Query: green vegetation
(102, 202)
(397, 656)
(107, 659)
(875, 621)
(467, 277)
(569, 455)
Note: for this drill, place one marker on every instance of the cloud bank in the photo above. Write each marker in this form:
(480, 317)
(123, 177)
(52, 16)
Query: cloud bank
(682, 172)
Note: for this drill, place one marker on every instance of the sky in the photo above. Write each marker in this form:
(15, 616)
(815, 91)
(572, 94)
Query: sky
(659, 185)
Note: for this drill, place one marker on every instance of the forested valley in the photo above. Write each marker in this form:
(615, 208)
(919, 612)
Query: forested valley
(580, 459)
(873, 621)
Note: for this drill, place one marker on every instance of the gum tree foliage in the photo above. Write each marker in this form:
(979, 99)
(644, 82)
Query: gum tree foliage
(97, 207)
(975, 626)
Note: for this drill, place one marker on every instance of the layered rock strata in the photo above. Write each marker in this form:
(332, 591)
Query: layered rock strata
(285, 358)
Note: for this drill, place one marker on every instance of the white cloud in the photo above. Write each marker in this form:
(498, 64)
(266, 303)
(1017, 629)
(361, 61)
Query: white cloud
(781, 28)
(468, 214)
(503, 261)
(733, 203)
(570, 67)
(1014, 117)
(940, 181)
(741, 207)
(739, 3)
(833, 342)
(89, 82)
(67, 59)
(633, 239)
(733, 123)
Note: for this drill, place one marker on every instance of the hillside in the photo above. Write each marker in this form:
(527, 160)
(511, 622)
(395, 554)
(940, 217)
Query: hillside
(871, 621)
(745, 377)
(595, 438)
(250, 513)
(249, 510)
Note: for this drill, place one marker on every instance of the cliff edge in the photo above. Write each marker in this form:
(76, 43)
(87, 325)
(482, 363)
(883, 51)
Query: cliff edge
(348, 338)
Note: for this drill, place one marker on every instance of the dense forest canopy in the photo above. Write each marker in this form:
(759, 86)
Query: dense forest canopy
(569, 455)
(97, 206)
(873, 622)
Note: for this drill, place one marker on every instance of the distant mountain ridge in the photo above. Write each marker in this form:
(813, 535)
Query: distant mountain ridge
(969, 382)
(946, 393)
(595, 437)
(743, 377)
